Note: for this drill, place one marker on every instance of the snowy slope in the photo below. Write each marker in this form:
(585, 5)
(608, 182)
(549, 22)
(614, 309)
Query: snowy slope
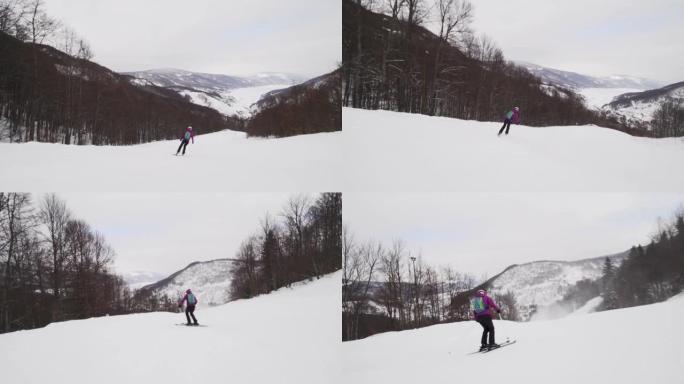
(574, 80)
(222, 161)
(595, 98)
(290, 336)
(230, 95)
(389, 151)
(542, 283)
(209, 280)
(621, 346)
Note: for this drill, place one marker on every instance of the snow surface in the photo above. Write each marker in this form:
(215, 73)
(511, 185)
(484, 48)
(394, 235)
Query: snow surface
(390, 151)
(595, 98)
(589, 307)
(223, 161)
(289, 336)
(634, 345)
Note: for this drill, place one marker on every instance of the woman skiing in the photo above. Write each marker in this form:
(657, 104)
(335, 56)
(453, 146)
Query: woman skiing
(481, 306)
(185, 139)
(191, 300)
(512, 116)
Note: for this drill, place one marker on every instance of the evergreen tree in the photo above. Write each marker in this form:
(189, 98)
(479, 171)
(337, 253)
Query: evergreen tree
(610, 297)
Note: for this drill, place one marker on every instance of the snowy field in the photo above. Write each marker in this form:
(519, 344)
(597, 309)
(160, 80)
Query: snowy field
(635, 345)
(223, 161)
(247, 341)
(595, 98)
(390, 151)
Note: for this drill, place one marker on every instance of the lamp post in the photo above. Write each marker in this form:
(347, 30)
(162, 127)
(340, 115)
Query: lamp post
(415, 288)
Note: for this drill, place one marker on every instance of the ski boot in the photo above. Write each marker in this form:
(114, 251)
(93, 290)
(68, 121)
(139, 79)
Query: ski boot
(483, 347)
(492, 346)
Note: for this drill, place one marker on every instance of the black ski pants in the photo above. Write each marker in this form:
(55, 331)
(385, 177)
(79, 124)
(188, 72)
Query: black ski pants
(488, 325)
(506, 125)
(183, 145)
(190, 311)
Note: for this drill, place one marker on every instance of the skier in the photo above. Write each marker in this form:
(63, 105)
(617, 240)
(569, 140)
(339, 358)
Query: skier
(512, 116)
(481, 305)
(191, 301)
(185, 139)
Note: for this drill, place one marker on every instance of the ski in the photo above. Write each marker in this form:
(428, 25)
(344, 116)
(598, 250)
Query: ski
(186, 325)
(504, 344)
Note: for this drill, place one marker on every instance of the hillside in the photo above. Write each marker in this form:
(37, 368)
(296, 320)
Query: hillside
(311, 107)
(390, 151)
(230, 95)
(209, 280)
(75, 101)
(576, 80)
(221, 161)
(640, 109)
(543, 283)
(398, 65)
(249, 341)
(619, 346)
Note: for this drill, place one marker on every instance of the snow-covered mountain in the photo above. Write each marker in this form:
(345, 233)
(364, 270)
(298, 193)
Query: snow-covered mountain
(575, 80)
(209, 280)
(543, 283)
(631, 345)
(139, 279)
(230, 95)
(288, 336)
(639, 107)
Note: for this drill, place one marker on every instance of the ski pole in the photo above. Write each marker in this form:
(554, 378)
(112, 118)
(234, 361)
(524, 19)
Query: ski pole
(507, 338)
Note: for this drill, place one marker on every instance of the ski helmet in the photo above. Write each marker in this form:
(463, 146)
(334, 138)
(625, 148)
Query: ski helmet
(188, 291)
(190, 128)
(481, 292)
(517, 109)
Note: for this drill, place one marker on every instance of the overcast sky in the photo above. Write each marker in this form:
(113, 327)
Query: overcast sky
(166, 232)
(485, 233)
(235, 37)
(640, 38)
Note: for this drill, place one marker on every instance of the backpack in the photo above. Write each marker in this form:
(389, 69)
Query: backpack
(509, 115)
(187, 135)
(192, 300)
(478, 305)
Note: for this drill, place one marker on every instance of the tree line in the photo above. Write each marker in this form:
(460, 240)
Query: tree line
(387, 288)
(668, 119)
(391, 61)
(54, 93)
(53, 266)
(312, 107)
(649, 274)
(304, 243)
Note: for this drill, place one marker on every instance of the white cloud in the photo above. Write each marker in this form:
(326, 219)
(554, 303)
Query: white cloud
(593, 37)
(484, 233)
(164, 232)
(231, 37)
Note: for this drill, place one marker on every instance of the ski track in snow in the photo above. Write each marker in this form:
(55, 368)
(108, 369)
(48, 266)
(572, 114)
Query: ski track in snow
(391, 151)
(245, 341)
(223, 161)
(634, 345)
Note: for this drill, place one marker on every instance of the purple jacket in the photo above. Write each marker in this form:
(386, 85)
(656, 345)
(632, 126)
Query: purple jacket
(515, 118)
(185, 299)
(489, 304)
(192, 134)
